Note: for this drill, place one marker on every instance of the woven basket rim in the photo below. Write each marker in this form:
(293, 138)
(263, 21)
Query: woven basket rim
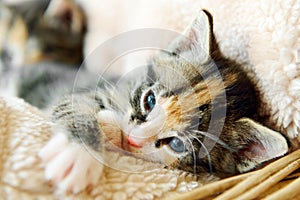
(256, 184)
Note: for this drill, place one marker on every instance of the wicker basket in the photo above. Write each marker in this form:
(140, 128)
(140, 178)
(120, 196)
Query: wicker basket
(278, 180)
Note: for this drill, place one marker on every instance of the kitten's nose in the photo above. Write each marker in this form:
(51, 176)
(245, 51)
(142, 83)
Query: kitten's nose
(138, 137)
(135, 142)
(132, 139)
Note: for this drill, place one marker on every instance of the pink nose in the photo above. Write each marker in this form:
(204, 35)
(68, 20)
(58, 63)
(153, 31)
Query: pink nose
(136, 142)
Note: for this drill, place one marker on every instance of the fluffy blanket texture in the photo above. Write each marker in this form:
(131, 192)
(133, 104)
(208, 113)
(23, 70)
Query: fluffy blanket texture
(265, 35)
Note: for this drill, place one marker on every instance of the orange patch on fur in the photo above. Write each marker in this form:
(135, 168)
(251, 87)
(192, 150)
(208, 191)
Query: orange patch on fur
(173, 113)
(179, 109)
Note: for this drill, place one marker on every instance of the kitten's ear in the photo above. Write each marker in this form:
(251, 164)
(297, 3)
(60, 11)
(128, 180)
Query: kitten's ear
(264, 144)
(197, 41)
(65, 14)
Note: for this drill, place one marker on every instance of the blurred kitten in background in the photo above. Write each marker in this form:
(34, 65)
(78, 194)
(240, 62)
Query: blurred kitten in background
(41, 44)
(32, 31)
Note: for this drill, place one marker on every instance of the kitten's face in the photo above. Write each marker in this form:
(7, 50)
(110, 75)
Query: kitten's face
(166, 112)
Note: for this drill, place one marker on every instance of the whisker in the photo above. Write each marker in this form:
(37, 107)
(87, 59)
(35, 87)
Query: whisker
(214, 138)
(207, 152)
(194, 128)
(194, 154)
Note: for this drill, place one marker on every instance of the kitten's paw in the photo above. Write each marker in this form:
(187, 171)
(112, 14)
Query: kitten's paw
(69, 165)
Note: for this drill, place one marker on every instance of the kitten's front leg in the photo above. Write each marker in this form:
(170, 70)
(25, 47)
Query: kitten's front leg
(68, 160)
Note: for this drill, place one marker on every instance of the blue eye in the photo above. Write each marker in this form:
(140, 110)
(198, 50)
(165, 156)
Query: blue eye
(177, 145)
(149, 101)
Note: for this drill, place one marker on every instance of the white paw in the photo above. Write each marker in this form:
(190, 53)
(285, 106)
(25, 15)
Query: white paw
(69, 165)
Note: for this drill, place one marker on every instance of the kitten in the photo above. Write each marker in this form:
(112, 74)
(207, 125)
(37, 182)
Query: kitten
(193, 109)
(32, 31)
